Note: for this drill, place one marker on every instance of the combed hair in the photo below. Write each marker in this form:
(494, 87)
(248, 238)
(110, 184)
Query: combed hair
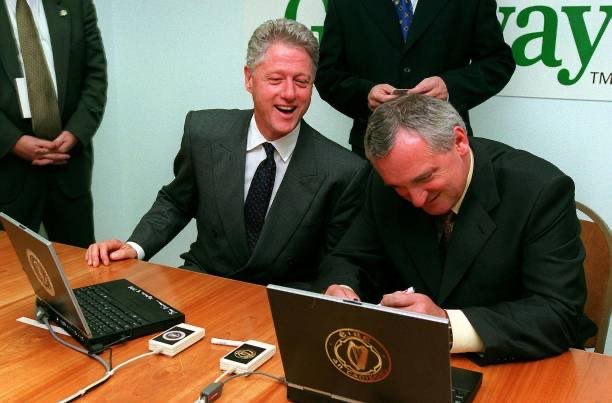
(281, 30)
(430, 118)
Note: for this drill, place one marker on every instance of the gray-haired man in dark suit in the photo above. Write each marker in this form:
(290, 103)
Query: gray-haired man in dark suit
(270, 195)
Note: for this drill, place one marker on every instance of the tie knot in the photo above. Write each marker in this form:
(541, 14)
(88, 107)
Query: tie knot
(269, 150)
(445, 224)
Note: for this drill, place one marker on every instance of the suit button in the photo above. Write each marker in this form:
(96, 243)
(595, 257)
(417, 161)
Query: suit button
(407, 69)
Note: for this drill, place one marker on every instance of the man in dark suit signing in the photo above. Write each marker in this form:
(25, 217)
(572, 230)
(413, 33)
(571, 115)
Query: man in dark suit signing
(450, 50)
(52, 98)
(269, 194)
(470, 229)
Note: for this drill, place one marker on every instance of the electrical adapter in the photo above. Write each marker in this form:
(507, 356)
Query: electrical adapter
(176, 339)
(247, 357)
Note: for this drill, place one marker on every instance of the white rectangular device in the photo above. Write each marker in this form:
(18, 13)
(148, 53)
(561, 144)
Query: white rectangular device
(247, 357)
(176, 339)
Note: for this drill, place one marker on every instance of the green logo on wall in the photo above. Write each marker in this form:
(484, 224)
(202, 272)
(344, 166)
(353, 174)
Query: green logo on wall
(291, 14)
(549, 33)
(545, 41)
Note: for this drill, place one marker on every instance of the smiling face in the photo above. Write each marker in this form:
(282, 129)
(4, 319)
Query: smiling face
(281, 86)
(432, 181)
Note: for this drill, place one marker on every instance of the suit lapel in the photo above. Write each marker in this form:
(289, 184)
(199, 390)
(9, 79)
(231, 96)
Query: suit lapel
(293, 198)
(425, 13)
(473, 226)
(229, 159)
(9, 56)
(58, 20)
(384, 16)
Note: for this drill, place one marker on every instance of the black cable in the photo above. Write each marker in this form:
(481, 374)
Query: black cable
(106, 366)
(280, 379)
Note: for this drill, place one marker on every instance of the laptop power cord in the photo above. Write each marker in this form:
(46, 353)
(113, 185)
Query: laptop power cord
(42, 316)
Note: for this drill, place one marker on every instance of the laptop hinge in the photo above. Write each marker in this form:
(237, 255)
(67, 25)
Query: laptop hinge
(321, 392)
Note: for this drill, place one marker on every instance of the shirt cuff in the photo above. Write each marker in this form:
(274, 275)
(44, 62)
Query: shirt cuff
(465, 338)
(138, 249)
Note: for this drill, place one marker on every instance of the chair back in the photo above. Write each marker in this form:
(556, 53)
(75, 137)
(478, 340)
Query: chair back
(597, 240)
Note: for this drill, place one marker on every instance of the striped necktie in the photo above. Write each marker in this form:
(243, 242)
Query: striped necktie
(46, 121)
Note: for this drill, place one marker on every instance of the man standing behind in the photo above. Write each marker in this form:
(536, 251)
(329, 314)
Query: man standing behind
(450, 50)
(270, 195)
(52, 97)
(482, 232)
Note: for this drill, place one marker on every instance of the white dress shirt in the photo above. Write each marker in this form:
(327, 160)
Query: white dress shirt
(255, 153)
(40, 20)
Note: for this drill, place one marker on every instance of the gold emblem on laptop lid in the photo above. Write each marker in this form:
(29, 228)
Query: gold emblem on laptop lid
(358, 355)
(40, 272)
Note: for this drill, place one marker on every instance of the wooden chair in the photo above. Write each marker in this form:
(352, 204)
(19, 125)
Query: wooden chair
(597, 242)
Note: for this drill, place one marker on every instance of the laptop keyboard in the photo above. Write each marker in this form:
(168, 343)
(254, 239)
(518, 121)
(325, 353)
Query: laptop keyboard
(103, 314)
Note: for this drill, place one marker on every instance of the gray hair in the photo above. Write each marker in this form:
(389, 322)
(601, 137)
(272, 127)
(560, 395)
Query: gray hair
(281, 30)
(429, 118)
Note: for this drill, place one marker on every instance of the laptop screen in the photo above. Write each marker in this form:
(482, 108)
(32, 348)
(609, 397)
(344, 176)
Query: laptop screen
(360, 352)
(40, 263)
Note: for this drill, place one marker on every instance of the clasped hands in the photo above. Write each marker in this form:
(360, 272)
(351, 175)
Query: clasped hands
(409, 301)
(431, 86)
(45, 152)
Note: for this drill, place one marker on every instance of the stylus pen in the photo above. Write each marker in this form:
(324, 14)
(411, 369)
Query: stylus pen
(225, 342)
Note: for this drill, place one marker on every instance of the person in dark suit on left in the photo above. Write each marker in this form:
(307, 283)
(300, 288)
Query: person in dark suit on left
(52, 96)
(275, 233)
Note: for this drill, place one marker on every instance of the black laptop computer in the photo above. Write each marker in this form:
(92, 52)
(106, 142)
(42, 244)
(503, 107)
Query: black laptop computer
(98, 315)
(340, 350)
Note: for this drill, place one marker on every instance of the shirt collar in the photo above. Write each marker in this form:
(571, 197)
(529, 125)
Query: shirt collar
(284, 146)
(457, 206)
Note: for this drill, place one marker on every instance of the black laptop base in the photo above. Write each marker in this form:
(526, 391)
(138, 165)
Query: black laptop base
(155, 315)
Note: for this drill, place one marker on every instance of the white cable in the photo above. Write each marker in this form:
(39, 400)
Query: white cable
(105, 377)
(229, 371)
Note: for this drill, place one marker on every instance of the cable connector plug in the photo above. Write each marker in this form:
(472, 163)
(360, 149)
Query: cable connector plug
(211, 393)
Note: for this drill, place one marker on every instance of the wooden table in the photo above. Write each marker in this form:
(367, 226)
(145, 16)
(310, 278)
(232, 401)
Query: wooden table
(33, 367)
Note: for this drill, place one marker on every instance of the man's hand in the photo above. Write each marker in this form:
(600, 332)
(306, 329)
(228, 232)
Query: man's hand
(39, 151)
(379, 94)
(340, 291)
(432, 87)
(31, 148)
(414, 302)
(61, 146)
(65, 141)
(106, 251)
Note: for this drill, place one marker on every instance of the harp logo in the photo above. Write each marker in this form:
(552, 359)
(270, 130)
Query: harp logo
(358, 355)
(41, 274)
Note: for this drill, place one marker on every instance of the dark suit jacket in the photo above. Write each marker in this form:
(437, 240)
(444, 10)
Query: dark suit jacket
(362, 46)
(514, 262)
(318, 197)
(80, 67)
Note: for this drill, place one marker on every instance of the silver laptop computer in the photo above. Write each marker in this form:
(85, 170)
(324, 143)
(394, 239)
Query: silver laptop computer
(98, 315)
(341, 350)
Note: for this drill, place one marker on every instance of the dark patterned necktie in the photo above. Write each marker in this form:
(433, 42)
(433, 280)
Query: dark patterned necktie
(445, 224)
(404, 11)
(258, 198)
(46, 121)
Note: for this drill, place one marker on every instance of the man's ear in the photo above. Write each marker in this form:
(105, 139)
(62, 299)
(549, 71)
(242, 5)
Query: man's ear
(462, 144)
(248, 79)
